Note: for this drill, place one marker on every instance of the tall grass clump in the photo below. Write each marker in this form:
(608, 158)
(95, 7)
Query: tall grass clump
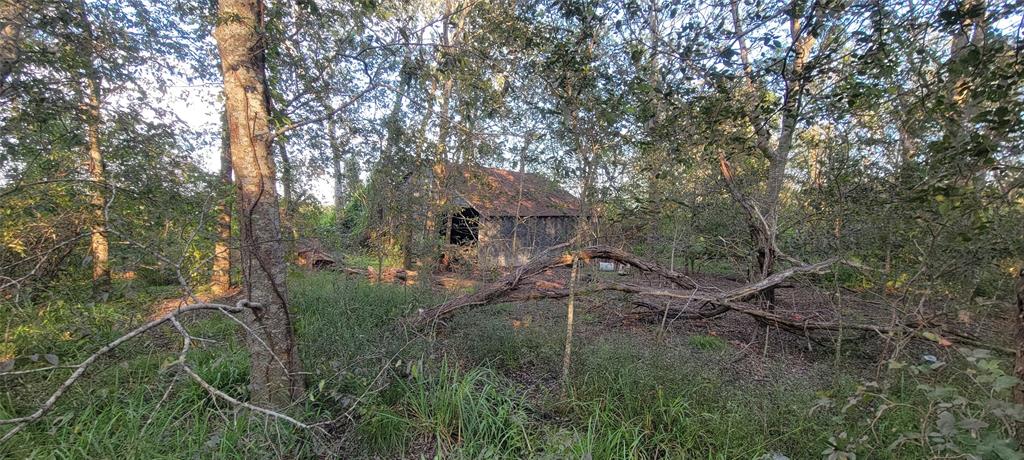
(340, 319)
(640, 402)
(454, 413)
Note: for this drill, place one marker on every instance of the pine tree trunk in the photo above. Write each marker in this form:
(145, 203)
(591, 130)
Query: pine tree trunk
(276, 378)
(220, 279)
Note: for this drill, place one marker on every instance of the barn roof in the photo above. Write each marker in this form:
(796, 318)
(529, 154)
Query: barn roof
(496, 192)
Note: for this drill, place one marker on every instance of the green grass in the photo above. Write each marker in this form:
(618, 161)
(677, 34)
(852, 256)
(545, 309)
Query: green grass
(115, 412)
(471, 414)
(706, 342)
(480, 388)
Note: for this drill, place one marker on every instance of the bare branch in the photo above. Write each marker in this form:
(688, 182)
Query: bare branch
(84, 365)
(213, 390)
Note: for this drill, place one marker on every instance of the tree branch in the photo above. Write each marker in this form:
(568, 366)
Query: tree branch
(80, 368)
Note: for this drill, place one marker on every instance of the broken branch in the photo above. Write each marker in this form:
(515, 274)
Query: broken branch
(47, 406)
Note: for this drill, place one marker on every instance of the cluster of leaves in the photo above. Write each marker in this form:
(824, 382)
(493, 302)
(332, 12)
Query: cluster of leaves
(966, 413)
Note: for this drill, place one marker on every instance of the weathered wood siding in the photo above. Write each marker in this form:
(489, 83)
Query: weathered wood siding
(503, 243)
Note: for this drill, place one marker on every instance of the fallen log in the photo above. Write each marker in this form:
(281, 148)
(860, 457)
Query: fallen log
(708, 304)
(389, 275)
(554, 257)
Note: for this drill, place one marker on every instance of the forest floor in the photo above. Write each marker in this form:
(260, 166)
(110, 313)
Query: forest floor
(753, 349)
(483, 385)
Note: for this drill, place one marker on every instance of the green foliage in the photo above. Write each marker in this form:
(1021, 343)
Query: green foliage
(627, 398)
(903, 155)
(62, 323)
(340, 320)
(488, 337)
(934, 409)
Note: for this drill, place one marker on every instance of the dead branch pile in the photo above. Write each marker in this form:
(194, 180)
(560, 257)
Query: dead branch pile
(700, 302)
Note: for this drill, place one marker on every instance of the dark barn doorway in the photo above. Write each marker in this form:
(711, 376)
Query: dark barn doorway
(465, 227)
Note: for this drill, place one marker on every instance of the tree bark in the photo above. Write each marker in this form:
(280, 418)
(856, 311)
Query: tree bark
(341, 166)
(352, 180)
(970, 33)
(1018, 364)
(450, 40)
(288, 191)
(763, 217)
(12, 20)
(276, 378)
(570, 311)
(337, 164)
(99, 246)
(221, 276)
(440, 169)
(397, 153)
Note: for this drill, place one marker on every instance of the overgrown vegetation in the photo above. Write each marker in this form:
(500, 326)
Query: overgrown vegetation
(458, 395)
(615, 228)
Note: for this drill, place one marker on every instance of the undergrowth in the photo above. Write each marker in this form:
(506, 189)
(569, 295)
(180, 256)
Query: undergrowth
(485, 386)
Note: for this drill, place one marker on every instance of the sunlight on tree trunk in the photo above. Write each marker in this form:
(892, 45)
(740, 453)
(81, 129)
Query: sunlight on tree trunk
(12, 17)
(99, 246)
(221, 277)
(569, 320)
(276, 377)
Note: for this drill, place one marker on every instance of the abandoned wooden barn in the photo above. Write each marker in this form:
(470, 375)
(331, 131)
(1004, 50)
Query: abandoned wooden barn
(506, 217)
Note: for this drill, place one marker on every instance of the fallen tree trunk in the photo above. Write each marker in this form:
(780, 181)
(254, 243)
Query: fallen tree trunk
(708, 304)
(554, 257)
(504, 287)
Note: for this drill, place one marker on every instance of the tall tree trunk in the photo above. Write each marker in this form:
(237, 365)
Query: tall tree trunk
(221, 276)
(425, 242)
(339, 167)
(288, 192)
(13, 15)
(969, 34)
(763, 217)
(352, 181)
(1018, 365)
(99, 247)
(440, 168)
(570, 311)
(337, 162)
(450, 39)
(276, 378)
(397, 154)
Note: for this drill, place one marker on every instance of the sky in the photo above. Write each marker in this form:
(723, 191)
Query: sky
(199, 107)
